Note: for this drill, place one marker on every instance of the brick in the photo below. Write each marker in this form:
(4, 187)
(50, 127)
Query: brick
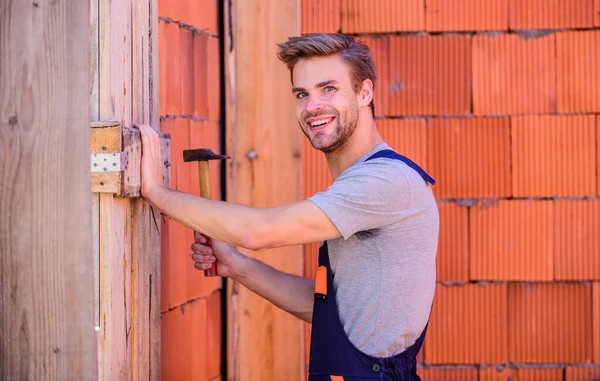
(203, 15)
(213, 335)
(162, 66)
(173, 63)
(422, 75)
(201, 75)
(448, 374)
(184, 342)
(576, 240)
(186, 54)
(321, 16)
(511, 240)
(468, 325)
(543, 14)
(550, 322)
(582, 373)
(578, 72)
(596, 321)
(598, 152)
(596, 13)
(207, 74)
(453, 243)
(470, 157)
(521, 374)
(177, 238)
(513, 75)
(553, 155)
(214, 79)
(466, 15)
(316, 176)
(408, 137)
(167, 8)
(376, 16)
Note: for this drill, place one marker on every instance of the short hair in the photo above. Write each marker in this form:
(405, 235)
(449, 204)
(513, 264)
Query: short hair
(354, 53)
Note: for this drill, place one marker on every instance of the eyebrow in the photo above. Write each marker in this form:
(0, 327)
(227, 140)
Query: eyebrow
(318, 85)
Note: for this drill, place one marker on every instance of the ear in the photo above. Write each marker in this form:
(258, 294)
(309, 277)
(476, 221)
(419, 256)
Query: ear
(365, 93)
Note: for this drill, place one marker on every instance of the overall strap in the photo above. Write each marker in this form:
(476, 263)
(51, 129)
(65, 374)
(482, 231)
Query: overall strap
(388, 153)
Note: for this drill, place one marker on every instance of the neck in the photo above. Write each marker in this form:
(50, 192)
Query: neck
(364, 139)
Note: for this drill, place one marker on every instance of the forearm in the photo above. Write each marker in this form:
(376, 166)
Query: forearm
(227, 222)
(291, 293)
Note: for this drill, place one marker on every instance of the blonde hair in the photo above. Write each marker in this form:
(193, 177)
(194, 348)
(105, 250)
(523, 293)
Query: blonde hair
(354, 53)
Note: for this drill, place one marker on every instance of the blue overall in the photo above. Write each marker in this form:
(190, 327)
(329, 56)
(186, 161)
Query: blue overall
(332, 356)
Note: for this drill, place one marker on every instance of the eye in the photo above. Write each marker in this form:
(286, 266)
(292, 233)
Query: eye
(301, 94)
(329, 89)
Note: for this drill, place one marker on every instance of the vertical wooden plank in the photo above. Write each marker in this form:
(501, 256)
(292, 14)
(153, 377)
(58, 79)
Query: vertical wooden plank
(260, 335)
(115, 103)
(46, 315)
(145, 254)
(94, 116)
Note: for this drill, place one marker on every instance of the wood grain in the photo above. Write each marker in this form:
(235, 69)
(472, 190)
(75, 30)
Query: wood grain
(264, 343)
(145, 256)
(46, 279)
(115, 76)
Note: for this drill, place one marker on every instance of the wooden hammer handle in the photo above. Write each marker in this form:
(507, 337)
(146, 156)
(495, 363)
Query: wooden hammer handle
(204, 179)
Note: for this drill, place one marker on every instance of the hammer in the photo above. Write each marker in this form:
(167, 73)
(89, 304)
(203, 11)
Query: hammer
(202, 156)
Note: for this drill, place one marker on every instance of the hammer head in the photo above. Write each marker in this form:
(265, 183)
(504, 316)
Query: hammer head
(202, 154)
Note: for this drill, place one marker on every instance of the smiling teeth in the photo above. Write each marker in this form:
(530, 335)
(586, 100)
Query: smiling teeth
(320, 122)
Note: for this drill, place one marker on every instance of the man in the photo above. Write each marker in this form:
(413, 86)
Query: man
(378, 222)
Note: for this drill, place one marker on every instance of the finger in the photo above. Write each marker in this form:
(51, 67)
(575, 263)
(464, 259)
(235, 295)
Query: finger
(198, 258)
(201, 249)
(199, 237)
(202, 266)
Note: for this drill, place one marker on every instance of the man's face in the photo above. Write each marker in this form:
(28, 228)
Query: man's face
(327, 107)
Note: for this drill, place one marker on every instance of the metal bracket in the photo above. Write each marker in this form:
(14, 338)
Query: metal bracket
(109, 162)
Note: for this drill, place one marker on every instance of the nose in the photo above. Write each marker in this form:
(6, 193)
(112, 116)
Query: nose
(314, 104)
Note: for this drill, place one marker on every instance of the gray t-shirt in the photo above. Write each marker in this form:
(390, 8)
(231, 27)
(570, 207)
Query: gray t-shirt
(384, 263)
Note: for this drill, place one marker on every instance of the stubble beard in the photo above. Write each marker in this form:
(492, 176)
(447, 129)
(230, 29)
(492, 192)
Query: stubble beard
(346, 125)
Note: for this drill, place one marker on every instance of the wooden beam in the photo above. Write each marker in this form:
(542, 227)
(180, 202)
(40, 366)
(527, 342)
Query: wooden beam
(145, 256)
(46, 313)
(264, 343)
(114, 67)
(128, 233)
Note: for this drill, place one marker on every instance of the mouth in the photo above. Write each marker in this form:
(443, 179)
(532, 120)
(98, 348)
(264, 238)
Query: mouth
(321, 123)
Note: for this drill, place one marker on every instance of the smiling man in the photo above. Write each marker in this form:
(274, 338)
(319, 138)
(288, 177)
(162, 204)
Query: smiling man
(378, 224)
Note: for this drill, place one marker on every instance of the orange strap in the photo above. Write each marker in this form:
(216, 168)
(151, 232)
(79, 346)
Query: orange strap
(337, 378)
(321, 281)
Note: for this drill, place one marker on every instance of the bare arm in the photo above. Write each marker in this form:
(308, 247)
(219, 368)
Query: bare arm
(248, 227)
(291, 293)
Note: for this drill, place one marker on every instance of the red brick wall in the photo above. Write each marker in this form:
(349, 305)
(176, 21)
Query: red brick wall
(499, 101)
(189, 57)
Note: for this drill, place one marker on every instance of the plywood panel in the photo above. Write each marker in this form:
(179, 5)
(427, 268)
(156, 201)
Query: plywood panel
(265, 343)
(47, 311)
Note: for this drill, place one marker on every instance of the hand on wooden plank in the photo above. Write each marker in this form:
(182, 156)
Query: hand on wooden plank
(206, 251)
(152, 171)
